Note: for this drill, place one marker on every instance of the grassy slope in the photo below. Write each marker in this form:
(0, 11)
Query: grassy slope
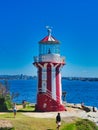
(22, 122)
(81, 124)
(69, 127)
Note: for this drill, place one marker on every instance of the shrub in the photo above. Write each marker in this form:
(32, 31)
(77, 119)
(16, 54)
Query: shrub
(3, 106)
(83, 124)
(5, 98)
(69, 127)
(86, 124)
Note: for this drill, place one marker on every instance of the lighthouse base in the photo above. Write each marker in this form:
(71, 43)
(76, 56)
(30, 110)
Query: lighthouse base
(47, 104)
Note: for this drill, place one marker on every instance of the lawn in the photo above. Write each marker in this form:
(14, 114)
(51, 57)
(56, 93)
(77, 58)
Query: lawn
(22, 122)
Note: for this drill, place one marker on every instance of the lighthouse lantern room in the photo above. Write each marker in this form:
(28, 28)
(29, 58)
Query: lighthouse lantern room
(49, 64)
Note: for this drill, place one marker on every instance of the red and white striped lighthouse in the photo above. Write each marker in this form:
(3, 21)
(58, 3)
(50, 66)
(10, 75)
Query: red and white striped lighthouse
(49, 64)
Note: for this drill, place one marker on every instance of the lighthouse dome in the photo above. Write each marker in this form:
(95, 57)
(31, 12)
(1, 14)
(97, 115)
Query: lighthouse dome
(49, 44)
(49, 38)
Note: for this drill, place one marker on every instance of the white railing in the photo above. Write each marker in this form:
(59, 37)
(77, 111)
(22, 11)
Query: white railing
(49, 58)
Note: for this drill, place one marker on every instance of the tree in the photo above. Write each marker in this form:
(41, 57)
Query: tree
(3, 90)
(6, 97)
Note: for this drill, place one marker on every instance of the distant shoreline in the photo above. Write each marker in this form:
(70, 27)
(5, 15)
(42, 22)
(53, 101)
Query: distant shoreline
(28, 77)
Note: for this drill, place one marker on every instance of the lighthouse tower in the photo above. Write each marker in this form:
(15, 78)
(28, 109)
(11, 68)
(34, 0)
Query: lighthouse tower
(49, 64)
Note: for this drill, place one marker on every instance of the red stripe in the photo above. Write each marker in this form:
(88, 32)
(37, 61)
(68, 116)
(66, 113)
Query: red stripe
(57, 84)
(46, 40)
(49, 77)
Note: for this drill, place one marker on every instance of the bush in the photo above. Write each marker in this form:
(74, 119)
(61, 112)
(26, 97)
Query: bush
(83, 124)
(86, 124)
(69, 127)
(8, 102)
(5, 98)
(3, 106)
(2, 100)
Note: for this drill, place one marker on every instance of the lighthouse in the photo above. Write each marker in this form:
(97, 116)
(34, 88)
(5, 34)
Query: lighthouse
(49, 64)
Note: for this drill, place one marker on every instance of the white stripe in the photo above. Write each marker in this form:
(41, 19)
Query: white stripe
(44, 78)
(50, 38)
(60, 89)
(40, 65)
(53, 83)
(53, 80)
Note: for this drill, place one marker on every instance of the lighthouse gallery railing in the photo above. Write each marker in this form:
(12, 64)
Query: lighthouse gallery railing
(49, 58)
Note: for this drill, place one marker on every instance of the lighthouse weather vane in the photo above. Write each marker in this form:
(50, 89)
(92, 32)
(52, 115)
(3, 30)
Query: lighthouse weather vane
(49, 29)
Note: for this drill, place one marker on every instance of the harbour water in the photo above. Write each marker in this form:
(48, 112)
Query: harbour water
(77, 91)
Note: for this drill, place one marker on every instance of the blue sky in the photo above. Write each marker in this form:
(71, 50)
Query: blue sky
(75, 25)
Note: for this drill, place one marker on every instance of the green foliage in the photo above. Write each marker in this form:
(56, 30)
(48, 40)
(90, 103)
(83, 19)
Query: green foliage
(8, 102)
(83, 124)
(3, 106)
(69, 127)
(86, 124)
(5, 103)
(5, 98)
(28, 108)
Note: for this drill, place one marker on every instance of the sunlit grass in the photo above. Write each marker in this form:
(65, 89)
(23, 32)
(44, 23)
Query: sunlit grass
(81, 124)
(22, 122)
(28, 108)
(70, 126)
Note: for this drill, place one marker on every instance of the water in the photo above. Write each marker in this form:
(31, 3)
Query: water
(81, 91)
(77, 91)
(27, 90)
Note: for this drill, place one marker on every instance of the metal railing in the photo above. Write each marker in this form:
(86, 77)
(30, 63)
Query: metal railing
(49, 59)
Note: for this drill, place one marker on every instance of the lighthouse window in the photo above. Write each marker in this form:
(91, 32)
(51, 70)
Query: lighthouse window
(47, 48)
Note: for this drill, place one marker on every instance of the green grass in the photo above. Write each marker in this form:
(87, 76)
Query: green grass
(29, 108)
(22, 122)
(86, 124)
(81, 124)
(69, 127)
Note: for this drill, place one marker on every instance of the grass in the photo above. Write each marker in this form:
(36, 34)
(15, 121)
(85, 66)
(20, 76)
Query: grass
(86, 124)
(28, 108)
(81, 124)
(22, 122)
(69, 127)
